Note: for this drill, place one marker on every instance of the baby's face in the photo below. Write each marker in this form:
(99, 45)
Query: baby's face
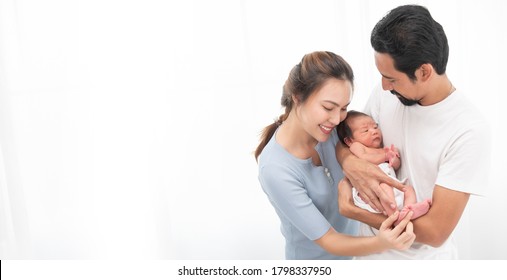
(366, 131)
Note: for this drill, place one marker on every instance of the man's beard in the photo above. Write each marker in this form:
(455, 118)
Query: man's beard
(403, 100)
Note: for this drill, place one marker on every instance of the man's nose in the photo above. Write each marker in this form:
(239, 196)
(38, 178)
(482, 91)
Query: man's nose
(386, 84)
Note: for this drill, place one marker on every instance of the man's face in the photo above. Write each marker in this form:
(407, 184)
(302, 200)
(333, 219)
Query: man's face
(395, 81)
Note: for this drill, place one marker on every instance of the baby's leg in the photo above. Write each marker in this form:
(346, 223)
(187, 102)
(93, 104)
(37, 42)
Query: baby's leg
(409, 196)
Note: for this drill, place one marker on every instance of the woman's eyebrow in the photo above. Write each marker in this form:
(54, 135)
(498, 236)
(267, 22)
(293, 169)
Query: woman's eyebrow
(336, 104)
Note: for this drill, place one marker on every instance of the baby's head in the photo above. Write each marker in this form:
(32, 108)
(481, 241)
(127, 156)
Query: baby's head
(359, 127)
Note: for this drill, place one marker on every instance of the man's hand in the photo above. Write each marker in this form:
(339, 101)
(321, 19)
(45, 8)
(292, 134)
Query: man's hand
(366, 178)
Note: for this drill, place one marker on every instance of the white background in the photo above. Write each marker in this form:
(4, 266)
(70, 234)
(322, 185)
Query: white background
(127, 127)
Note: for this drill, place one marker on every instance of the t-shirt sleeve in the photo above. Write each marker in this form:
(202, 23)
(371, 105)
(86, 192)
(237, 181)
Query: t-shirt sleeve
(465, 166)
(287, 194)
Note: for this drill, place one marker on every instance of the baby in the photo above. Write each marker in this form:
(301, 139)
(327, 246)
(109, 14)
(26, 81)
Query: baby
(363, 137)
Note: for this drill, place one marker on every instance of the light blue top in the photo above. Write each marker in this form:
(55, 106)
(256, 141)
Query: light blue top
(305, 197)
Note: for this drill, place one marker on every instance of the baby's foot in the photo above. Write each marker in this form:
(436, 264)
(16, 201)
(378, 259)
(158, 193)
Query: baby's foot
(419, 209)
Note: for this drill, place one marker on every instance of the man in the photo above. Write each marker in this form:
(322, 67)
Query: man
(443, 140)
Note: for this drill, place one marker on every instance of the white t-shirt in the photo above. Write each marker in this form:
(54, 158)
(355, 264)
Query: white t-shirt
(446, 144)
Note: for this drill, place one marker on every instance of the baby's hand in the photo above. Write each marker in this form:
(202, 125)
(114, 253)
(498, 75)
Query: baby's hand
(395, 150)
(392, 154)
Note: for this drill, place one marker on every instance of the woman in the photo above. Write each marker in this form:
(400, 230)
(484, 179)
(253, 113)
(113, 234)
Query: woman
(299, 172)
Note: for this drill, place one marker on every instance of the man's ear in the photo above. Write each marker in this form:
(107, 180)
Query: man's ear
(424, 72)
(348, 141)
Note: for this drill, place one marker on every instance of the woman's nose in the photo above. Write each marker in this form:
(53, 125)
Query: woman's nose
(335, 119)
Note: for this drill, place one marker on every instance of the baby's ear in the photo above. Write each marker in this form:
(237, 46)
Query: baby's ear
(348, 141)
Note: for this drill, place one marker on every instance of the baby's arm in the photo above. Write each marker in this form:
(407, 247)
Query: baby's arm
(373, 155)
(393, 157)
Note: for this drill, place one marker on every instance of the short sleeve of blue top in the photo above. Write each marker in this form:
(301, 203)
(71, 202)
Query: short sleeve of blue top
(305, 197)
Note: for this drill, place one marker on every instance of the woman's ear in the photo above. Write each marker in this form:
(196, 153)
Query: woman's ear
(295, 100)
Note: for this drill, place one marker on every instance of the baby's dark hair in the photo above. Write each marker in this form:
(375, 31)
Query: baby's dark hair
(343, 129)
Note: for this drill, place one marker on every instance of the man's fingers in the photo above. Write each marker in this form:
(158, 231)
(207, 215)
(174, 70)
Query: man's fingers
(371, 199)
(392, 182)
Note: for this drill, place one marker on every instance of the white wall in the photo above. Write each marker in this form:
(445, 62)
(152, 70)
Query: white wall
(127, 127)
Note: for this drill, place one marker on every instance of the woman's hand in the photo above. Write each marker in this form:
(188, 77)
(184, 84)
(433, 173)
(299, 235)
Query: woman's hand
(345, 199)
(400, 237)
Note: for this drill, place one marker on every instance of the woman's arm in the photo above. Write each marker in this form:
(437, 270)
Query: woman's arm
(348, 209)
(366, 178)
(399, 237)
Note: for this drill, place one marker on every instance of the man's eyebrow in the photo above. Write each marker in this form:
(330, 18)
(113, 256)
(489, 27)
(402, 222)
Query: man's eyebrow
(387, 77)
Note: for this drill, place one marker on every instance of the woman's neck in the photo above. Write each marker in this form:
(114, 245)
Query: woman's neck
(295, 139)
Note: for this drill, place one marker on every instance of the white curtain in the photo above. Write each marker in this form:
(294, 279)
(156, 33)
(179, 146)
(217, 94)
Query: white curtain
(127, 127)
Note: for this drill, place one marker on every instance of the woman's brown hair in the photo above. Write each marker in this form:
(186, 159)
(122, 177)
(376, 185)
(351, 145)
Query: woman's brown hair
(304, 79)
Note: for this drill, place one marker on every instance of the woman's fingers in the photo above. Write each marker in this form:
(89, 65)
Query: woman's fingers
(407, 237)
(388, 223)
(403, 224)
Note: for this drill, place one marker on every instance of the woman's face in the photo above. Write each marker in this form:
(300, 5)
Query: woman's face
(325, 108)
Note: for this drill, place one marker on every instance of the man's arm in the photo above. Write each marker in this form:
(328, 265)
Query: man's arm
(435, 227)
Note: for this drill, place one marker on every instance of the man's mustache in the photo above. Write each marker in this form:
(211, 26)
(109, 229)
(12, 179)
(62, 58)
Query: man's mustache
(403, 100)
